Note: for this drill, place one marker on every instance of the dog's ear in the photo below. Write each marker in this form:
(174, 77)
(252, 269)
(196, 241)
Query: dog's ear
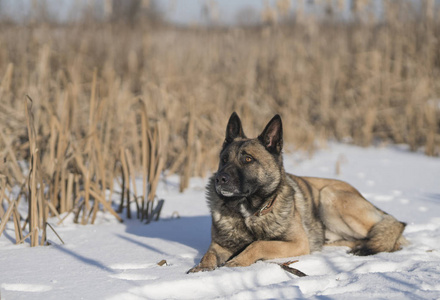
(234, 129)
(272, 135)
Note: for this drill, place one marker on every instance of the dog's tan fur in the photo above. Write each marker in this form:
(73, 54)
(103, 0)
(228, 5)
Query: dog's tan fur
(307, 212)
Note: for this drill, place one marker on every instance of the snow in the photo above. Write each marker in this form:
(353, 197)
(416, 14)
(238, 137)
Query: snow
(110, 260)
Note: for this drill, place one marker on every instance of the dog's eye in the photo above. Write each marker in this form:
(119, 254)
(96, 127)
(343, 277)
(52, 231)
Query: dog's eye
(225, 158)
(248, 159)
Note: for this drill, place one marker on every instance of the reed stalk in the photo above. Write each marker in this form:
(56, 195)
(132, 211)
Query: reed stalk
(87, 135)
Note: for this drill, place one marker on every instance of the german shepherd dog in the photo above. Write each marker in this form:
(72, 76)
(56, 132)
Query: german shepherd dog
(260, 212)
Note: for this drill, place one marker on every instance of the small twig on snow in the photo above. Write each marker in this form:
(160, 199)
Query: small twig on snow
(285, 266)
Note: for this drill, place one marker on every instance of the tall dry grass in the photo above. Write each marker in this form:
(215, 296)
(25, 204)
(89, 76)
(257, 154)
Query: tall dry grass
(112, 102)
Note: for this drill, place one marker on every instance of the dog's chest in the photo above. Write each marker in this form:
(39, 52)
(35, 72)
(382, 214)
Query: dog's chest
(230, 231)
(267, 227)
(234, 230)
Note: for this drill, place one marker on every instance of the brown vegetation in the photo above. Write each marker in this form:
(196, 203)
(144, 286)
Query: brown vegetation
(112, 101)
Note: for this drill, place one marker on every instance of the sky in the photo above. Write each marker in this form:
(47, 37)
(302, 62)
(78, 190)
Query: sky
(189, 12)
(177, 11)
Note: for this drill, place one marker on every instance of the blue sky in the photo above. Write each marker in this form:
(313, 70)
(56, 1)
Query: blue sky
(188, 11)
(180, 11)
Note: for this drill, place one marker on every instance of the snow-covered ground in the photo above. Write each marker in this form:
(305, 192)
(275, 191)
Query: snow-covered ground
(119, 261)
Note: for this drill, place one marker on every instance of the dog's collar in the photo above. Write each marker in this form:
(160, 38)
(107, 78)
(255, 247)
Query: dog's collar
(266, 208)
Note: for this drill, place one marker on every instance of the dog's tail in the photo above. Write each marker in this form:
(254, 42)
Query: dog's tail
(384, 236)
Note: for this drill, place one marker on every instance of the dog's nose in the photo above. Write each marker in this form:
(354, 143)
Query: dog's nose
(222, 178)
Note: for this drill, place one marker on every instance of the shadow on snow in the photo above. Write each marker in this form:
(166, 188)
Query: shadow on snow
(194, 232)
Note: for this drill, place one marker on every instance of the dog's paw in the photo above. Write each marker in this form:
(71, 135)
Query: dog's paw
(233, 263)
(362, 250)
(199, 269)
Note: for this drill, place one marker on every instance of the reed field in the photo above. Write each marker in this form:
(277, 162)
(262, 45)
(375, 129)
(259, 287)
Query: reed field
(86, 108)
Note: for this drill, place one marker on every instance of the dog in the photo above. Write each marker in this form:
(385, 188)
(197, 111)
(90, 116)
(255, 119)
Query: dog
(259, 212)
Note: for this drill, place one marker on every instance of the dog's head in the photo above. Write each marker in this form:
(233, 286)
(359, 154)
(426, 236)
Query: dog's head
(250, 167)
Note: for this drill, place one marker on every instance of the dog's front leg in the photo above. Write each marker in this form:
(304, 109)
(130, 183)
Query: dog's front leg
(263, 250)
(213, 258)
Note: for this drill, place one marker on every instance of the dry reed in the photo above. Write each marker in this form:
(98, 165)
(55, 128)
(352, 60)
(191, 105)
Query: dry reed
(114, 102)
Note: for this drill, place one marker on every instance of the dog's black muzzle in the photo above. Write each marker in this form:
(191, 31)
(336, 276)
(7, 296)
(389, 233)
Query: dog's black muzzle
(222, 178)
(227, 184)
